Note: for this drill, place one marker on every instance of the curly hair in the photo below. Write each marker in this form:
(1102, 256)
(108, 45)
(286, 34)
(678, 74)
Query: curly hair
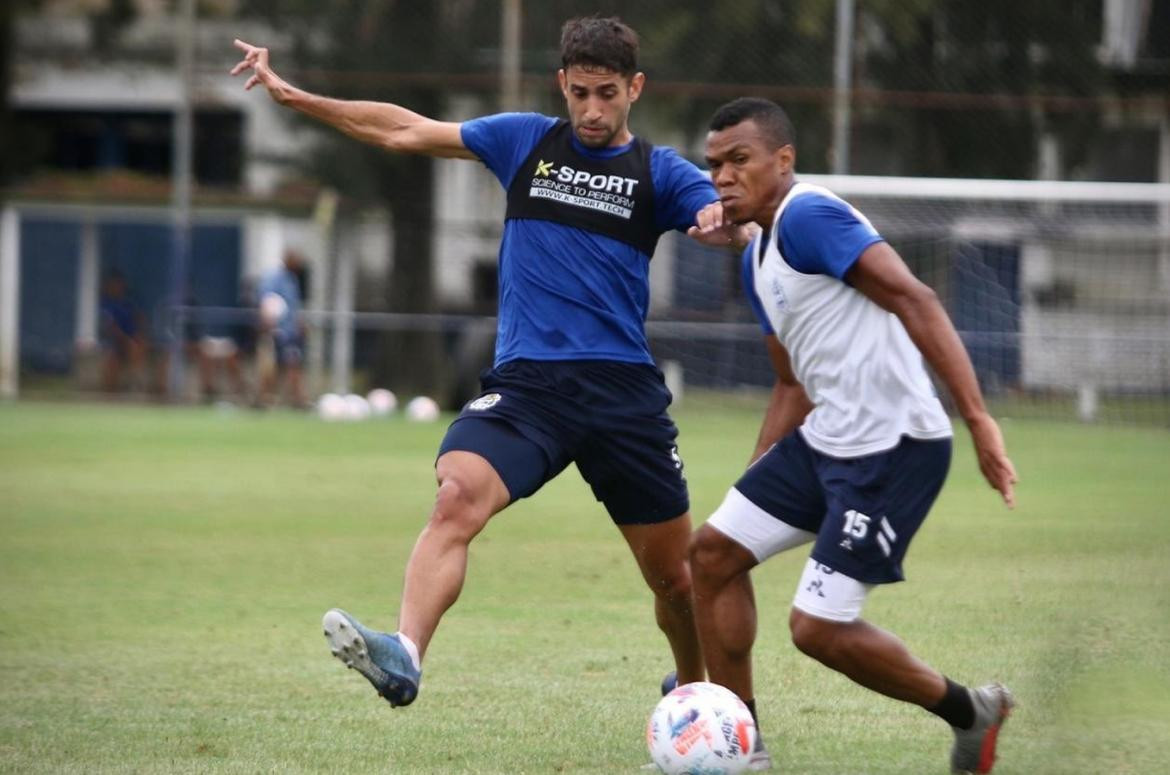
(597, 42)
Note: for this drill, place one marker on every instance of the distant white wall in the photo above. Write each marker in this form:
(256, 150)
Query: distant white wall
(1068, 348)
(1109, 325)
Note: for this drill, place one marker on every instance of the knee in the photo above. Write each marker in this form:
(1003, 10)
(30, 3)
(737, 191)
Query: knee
(813, 637)
(712, 557)
(458, 509)
(673, 583)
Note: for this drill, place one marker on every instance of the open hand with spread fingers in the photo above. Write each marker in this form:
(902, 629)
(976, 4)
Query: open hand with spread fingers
(256, 60)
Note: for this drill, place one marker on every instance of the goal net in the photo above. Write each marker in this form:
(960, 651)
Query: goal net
(1060, 291)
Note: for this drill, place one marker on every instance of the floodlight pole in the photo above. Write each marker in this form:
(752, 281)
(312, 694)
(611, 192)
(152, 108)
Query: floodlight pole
(181, 197)
(842, 83)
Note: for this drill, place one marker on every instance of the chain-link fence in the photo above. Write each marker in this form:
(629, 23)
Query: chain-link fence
(932, 87)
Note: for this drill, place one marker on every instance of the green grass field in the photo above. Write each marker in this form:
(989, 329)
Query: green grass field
(163, 573)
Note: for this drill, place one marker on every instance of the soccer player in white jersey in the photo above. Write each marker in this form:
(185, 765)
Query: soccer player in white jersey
(854, 445)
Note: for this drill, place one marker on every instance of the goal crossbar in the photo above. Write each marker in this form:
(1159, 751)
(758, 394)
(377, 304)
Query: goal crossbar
(990, 189)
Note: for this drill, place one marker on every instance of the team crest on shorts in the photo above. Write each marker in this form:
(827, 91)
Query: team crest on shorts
(484, 402)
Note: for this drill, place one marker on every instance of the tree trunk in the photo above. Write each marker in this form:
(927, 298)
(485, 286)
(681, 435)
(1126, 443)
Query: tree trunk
(412, 361)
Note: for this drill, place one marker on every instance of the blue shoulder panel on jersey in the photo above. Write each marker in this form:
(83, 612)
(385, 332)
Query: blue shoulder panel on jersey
(823, 235)
(749, 286)
(680, 189)
(504, 140)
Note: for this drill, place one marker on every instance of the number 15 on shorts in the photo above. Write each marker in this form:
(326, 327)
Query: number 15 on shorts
(857, 526)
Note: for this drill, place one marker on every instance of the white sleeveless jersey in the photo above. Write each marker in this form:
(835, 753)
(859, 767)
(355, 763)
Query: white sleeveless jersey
(856, 362)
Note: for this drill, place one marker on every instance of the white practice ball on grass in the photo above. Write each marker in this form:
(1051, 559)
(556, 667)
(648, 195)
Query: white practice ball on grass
(382, 402)
(356, 407)
(422, 409)
(331, 407)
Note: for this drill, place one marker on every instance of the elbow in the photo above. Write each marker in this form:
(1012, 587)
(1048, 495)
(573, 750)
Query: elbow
(404, 142)
(394, 141)
(916, 303)
(790, 393)
(926, 296)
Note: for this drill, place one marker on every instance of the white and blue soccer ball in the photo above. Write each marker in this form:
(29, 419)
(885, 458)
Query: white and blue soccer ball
(701, 728)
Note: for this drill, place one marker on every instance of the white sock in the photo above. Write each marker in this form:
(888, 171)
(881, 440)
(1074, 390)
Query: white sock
(411, 649)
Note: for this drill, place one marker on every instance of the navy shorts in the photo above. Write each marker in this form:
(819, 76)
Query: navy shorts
(290, 349)
(533, 418)
(864, 511)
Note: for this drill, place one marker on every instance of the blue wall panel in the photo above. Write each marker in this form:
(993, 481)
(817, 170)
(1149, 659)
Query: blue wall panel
(49, 252)
(142, 252)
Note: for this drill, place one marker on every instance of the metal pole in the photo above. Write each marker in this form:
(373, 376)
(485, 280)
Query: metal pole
(343, 287)
(323, 214)
(9, 302)
(510, 11)
(181, 196)
(86, 326)
(1164, 207)
(842, 83)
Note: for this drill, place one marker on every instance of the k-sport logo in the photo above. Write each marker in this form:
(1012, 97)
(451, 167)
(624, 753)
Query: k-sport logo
(614, 184)
(610, 194)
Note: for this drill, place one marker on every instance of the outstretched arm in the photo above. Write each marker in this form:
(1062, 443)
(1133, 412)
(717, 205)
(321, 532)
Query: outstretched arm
(381, 124)
(881, 275)
(788, 405)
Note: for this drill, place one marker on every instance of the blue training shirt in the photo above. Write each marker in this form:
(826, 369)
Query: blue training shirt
(283, 283)
(567, 293)
(818, 235)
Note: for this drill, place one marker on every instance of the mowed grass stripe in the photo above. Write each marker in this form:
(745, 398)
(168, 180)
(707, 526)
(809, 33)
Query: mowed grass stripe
(163, 573)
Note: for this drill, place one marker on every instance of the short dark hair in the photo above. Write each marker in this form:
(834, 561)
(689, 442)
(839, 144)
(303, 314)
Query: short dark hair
(593, 41)
(769, 117)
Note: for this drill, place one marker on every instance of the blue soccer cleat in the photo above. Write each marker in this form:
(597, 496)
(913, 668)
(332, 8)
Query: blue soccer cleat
(380, 657)
(669, 683)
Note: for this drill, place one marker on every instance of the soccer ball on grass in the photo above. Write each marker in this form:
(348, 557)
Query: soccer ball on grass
(701, 728)
(422, 409)
(382, 402)
(331, 407)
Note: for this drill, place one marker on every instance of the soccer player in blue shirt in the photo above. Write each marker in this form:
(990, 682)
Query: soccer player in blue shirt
(287, 333)
(573, 380)
(854, 446)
